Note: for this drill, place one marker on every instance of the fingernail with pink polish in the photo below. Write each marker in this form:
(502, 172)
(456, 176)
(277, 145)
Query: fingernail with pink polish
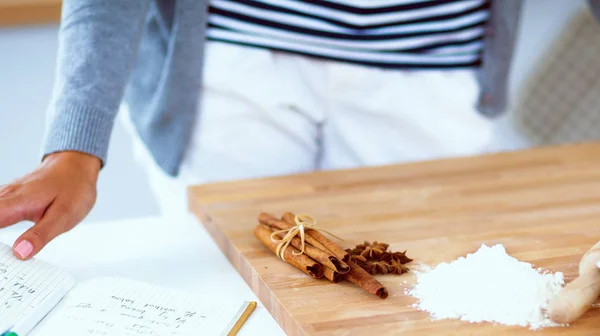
(24, 249)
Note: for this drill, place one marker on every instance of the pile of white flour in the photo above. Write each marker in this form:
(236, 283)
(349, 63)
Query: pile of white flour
(488, 286)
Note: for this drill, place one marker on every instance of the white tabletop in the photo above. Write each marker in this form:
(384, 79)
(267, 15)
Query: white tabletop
(173, 253)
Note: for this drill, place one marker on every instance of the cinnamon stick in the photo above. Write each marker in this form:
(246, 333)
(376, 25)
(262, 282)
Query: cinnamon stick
(271, 221)
(364, 280)
(324, 257)
(337, 251)
(292, 256)
(332, 275)
(356, 275)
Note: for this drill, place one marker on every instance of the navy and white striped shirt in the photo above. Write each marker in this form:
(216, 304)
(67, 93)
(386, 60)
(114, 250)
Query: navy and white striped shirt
(385, 33)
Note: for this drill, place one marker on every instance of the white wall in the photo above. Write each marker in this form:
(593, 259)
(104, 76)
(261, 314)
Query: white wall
(542, 21)
(27, 57)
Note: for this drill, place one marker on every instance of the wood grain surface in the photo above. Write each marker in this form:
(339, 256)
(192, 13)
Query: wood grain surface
(542, 204)
(29, 12)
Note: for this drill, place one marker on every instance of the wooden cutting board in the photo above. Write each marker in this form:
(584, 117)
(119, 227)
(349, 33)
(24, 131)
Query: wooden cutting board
(543, 205)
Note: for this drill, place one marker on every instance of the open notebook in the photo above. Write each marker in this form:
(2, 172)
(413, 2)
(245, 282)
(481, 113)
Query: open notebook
(30, 290)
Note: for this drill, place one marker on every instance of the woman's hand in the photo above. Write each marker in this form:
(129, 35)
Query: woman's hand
(56, 197)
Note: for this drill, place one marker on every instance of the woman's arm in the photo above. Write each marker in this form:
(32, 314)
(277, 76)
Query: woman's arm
(98, 41)
(97, 46)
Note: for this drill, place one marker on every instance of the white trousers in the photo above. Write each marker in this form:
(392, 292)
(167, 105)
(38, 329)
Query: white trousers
(267, 113)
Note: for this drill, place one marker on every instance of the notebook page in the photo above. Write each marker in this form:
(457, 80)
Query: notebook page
(111, 306)
(26, 287)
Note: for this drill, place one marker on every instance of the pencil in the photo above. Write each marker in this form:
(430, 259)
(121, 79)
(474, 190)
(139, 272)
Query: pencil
(5, 330)
(243, 318)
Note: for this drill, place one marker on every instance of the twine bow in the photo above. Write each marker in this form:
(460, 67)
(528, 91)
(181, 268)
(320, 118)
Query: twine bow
(303, 222)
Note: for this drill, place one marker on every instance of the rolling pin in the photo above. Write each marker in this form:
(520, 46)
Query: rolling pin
(578, 295)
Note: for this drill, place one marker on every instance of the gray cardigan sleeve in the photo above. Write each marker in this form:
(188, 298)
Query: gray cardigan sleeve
(98, 41)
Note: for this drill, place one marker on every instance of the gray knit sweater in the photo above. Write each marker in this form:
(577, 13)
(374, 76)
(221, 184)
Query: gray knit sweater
(150, 54)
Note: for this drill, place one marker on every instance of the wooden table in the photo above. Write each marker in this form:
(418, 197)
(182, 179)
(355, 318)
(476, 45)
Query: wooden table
(29, 12)
(543, 205)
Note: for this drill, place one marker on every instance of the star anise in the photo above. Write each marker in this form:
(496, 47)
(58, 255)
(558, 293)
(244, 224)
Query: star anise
(376, 267)
(376, 259)
(358, 248)
(384, 246)
(358, 259)
(395, 267)
(397, 256)
(353, 251)
(374, 251)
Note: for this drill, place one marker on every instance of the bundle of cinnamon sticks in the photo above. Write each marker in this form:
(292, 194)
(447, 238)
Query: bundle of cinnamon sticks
(322, 258)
